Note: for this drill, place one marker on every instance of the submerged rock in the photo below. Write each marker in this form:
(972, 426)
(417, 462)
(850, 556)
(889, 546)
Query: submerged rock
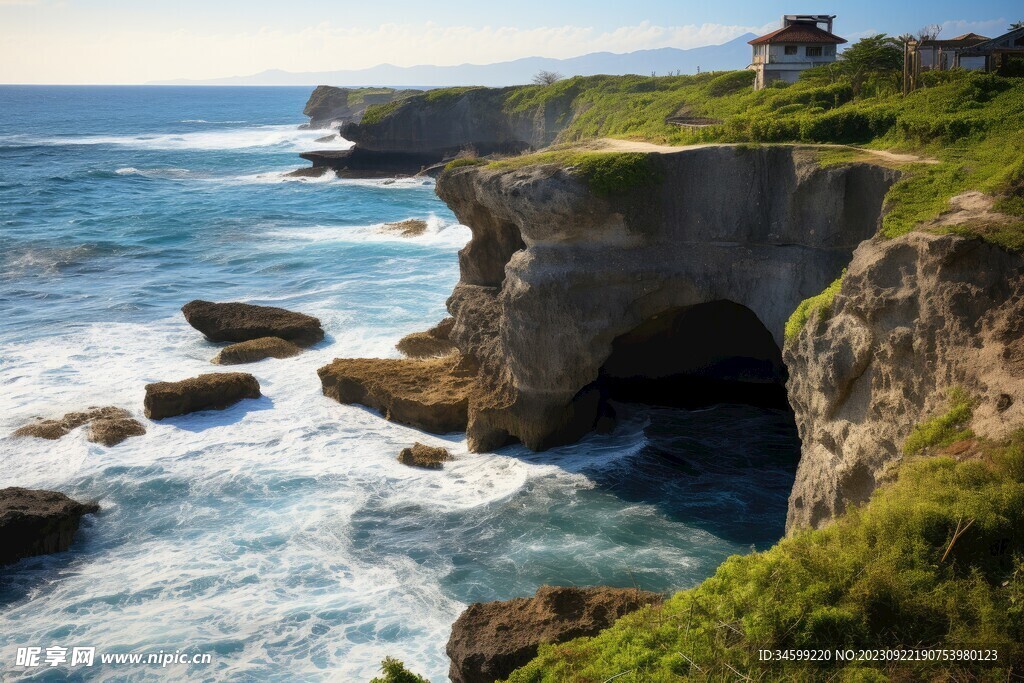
(490, 640)
(256, 350)
(108, 426)
(308, 172)
(434, 342)
(36, 522)
(432, 395)
(427, 457)
(213, 391)
(238, 322)
(412, 227)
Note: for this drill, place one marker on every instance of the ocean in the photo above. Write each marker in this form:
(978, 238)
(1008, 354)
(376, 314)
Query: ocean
(281, 535)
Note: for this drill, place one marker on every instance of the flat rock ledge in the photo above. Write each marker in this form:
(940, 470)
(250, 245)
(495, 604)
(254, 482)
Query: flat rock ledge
(213, 391)
(238, 322)
(426, 457)
(36, 522)
(434, 342)
(432, 395)
(108, 426)
(256, 350)
(490, 640)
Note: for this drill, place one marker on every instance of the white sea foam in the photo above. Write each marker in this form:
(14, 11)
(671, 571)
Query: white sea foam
(438, 233)
(282, 137)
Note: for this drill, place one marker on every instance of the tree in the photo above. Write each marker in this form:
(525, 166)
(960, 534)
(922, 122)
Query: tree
(929, 32)
(871, 56)
(546, 77)
(1016, 25)
(905, 38)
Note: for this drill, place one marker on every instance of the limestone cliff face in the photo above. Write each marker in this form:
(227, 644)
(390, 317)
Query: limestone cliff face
(915, 316)
(561, 288)
(443, 123)
(328, 104)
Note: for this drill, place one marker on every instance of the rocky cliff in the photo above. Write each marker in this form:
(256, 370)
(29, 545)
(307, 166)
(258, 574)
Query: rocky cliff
(330, 105)
(916, 318)
(574, 292)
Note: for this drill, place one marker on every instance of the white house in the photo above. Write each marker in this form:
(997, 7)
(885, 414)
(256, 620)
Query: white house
(803, 42)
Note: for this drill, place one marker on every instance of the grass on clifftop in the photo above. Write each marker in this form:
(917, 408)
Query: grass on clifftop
(888, 574)
(972, 123)
(606, 173)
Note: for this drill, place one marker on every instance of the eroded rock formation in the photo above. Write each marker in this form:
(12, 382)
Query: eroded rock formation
(35, 522)
(490, 640)
(426, 457)
(434, 342)
(108, 426)
(916, 317)
(558, 281)
(330, 105)
(213, 391)
(256, 350)
(238, 322)
(432, 395)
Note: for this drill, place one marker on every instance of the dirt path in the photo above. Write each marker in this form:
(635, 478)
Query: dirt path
(616, 145)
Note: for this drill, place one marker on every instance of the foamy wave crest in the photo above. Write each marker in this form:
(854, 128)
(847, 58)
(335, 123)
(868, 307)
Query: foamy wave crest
(170, 173)
(286, 137)
(438, 233)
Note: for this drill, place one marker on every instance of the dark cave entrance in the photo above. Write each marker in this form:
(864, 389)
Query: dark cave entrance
(694, 356)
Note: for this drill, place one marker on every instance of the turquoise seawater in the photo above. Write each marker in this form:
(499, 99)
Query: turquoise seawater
(281, 535)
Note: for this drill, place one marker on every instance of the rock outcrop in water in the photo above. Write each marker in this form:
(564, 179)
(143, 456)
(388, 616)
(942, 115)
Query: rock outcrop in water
(35, 522)
(426, 457)
(238, 322)
(330, 105)
(256, 350)
(490, 640)
(568, 298)
(108, 426)
(432, 395)
(213, 391)
(916, 317)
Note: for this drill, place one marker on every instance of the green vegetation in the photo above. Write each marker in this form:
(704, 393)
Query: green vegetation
(933, 560)
(462, 162)
(946, 429)
(395, 672)
(821, 303)
(606, 173)
(376, 113)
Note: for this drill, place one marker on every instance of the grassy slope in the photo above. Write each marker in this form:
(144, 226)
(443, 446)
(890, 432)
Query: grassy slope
(879, 577)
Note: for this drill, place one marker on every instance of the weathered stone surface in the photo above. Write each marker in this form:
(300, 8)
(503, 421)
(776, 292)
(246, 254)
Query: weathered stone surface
(490, 640)
(916, 316)
(213, 391)
(413, 227)
(555, 275)
(238, 322)
(427, 457)
(434, 342)
(108, 426)
(256, 350)
(34, 522)
(328, 105)
(432, 395)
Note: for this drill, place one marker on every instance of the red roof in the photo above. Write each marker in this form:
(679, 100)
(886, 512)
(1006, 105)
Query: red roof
(798, 33)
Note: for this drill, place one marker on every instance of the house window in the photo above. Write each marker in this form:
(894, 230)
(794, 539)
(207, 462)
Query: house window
(791, 49)
(814, 51)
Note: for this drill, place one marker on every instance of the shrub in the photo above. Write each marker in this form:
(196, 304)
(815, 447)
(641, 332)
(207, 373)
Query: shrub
(730, 82)
(820, 303)
(395, 672)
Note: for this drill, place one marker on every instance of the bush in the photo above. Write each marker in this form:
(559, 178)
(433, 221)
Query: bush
(730, 82)
(886, 575)
(395, 672)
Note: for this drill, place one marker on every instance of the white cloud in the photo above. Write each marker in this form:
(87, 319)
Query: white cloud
(991, 28)
(123, 56)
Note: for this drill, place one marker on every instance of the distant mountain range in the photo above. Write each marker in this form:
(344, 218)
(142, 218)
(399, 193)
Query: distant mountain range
(732, 55)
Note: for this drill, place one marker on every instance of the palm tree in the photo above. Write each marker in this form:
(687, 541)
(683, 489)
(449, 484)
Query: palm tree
(1016, 25)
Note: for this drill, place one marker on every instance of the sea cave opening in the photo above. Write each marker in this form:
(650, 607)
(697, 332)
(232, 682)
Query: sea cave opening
(720, 440)
(693, 356)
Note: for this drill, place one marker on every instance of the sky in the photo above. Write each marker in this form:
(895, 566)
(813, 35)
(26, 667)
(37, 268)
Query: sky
(137, 41)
